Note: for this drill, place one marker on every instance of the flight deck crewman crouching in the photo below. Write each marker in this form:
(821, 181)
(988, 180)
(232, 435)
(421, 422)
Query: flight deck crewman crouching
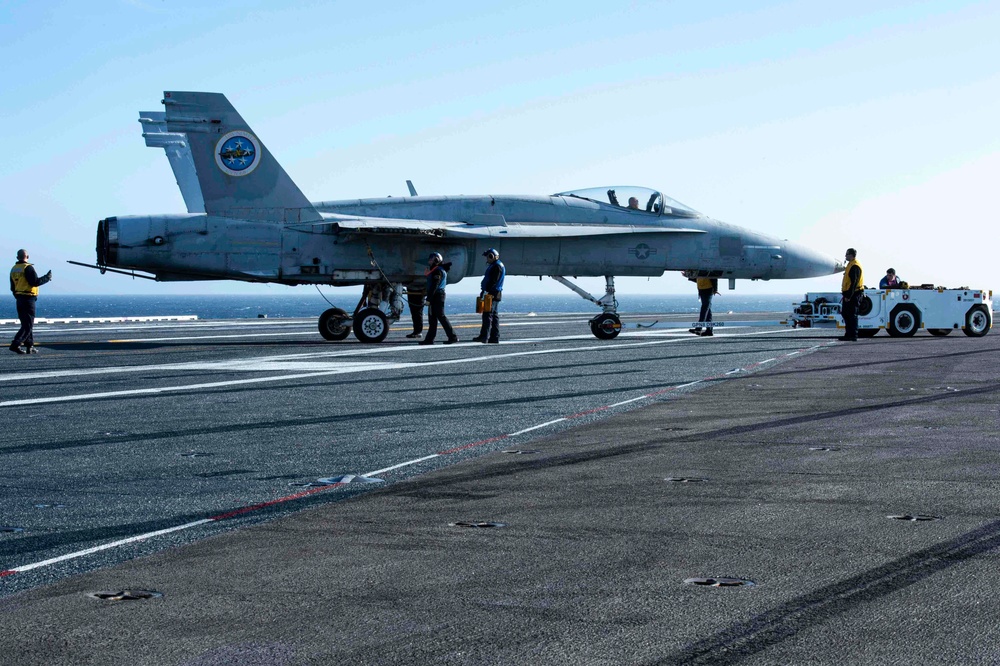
(852, 289)
(24, 284)
(492, 284)
(437, 280)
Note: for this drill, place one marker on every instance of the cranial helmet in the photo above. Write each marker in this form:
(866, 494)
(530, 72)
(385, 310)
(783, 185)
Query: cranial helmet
(491, 251)
(435, 258)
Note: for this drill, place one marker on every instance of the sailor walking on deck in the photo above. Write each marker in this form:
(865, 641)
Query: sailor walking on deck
(707, 287)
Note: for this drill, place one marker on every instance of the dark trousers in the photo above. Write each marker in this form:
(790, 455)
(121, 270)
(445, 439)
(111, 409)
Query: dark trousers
(849, 311)
(491, 324)
(706, 307)
(25, 313)
(416, 302)
(436, 314)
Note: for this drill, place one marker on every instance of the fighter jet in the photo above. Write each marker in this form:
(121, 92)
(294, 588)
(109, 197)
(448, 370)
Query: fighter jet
(248, 221)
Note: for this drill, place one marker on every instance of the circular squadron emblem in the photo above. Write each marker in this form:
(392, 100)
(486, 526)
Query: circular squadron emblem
(237, 153)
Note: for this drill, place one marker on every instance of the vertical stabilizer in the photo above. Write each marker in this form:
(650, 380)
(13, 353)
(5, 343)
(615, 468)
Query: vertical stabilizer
(238, 176)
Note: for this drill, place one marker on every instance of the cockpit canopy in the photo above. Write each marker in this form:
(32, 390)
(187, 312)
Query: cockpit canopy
(641, 199)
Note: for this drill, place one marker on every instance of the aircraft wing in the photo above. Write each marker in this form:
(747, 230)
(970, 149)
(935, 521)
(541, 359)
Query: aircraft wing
(478, 229)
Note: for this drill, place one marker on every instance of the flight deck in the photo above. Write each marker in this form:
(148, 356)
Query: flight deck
(754, 497)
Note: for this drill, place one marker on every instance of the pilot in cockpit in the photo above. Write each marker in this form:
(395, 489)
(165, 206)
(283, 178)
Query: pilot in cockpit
(633, 203)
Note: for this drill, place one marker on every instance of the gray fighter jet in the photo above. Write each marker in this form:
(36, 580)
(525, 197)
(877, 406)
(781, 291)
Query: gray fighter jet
(248, 221)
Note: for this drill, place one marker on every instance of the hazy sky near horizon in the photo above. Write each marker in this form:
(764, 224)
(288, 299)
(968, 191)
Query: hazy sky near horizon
(872, 125)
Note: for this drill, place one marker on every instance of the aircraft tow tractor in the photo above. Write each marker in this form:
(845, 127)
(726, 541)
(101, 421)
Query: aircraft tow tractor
(901, 312)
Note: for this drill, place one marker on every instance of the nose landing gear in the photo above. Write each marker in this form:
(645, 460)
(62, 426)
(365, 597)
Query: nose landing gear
(607, 325)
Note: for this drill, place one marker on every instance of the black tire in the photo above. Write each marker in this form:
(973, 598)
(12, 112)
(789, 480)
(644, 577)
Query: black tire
(371, 325)
(978, 321)
(866, 306)
(940, 332)
(867, 332)
(606, 326)
(904, 321)
(334, 324)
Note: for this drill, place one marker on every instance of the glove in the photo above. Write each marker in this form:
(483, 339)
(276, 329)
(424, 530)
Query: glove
(48, 276)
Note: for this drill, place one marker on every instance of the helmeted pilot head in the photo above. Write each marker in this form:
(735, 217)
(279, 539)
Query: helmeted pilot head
(434, 259)
(491, 255)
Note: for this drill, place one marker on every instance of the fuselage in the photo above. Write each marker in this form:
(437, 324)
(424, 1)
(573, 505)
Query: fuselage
(359, 240)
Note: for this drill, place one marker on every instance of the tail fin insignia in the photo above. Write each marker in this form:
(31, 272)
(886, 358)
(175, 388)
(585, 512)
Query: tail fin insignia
(237, 153)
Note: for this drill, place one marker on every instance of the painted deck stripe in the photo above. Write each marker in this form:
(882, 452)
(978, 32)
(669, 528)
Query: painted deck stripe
(106, 546)
(324, 373)
(311, 491)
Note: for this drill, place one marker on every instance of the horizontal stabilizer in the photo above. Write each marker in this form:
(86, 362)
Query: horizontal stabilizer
(175, 145)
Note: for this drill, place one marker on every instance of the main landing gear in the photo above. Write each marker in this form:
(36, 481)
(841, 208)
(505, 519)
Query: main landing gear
(607, 325)
(380, 306)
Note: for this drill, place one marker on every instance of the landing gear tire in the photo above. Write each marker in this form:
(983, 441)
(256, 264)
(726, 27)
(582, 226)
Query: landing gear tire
(904, 321)
(940, 332)
(371, 325)
(867, 332)
(334, 324)
(977, 321)
(606, 326)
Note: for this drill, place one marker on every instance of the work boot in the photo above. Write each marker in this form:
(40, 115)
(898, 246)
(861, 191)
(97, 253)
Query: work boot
(30, 350)
(451, 341)
(426, 342)
(479, 338)
(493, 342)
(706, 333)
(413, 335)
(696, 331)
(17, 350)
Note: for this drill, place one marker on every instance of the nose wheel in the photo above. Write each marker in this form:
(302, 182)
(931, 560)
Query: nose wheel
(606, 326)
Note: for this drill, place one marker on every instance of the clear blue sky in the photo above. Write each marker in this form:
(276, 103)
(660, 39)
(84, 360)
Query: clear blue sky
(865, 124)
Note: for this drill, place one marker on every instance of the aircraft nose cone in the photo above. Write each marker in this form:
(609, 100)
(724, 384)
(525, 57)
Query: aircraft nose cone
(804, 262)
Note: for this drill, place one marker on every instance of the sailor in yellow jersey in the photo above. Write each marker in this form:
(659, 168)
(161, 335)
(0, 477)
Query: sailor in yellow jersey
(852, 288)
(707, 287)
(24, 284)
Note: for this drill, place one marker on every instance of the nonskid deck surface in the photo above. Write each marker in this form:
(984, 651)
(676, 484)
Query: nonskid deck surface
(133, 440)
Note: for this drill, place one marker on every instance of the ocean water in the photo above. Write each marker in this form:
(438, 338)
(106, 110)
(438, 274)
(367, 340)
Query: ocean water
(312, 305)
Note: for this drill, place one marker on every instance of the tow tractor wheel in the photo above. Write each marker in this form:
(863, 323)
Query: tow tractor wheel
(606, 326)
(371, 325)
(940, 332)
(334, 324)
(904, 321)
(977, 321)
